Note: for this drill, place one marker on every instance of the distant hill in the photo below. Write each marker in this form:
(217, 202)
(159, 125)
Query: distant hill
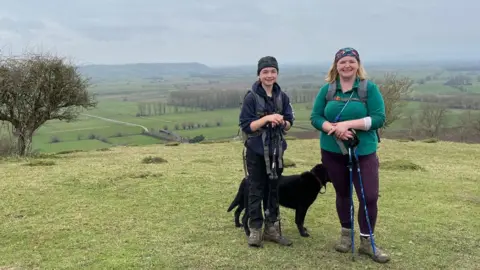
(192, 69)
(143, 70)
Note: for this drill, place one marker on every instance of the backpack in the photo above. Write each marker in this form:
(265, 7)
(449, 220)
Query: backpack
(260, 111)
(362, 92)
(362, 95)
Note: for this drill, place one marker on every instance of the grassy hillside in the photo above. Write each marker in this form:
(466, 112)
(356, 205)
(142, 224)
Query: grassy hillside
(108, 209)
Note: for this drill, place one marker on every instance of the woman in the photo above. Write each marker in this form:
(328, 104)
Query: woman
(335, 119)
(269, 119)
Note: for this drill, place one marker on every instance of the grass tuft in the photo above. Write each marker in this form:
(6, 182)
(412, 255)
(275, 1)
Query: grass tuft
(430, 140)
(173, 143)
(288, 163)
(34, 163)
(401, 164)
(150, 160)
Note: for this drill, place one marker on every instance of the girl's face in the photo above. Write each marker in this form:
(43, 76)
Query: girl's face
(268, 76)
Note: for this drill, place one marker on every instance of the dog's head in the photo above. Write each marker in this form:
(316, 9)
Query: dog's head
(321, 174)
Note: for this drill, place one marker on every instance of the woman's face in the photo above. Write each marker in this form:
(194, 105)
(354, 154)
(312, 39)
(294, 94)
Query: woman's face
(347, 67)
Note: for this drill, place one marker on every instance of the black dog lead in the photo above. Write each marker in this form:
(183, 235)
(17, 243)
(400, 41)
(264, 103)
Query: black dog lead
(274, 142)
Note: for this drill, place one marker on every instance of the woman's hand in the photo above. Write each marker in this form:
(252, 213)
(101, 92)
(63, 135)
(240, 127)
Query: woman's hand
(341, 131)
(347, 136)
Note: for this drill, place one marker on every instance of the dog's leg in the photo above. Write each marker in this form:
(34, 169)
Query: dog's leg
(238, 211)
(245, 223)
(300, 214)
(245, 216)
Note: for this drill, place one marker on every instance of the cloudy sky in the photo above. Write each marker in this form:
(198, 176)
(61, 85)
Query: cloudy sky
(230, 32)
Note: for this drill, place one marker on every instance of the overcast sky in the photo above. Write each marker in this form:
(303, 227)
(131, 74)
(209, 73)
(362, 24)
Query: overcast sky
(230, 32)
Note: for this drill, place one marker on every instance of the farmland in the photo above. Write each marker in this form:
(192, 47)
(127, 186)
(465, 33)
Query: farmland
(120, 119)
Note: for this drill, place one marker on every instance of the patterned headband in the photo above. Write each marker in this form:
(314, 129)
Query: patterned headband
(347, 52)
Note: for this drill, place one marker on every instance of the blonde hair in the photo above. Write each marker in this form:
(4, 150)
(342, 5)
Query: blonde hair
(333, 73)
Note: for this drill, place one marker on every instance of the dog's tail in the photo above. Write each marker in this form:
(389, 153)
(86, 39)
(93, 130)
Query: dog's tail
(238, 197)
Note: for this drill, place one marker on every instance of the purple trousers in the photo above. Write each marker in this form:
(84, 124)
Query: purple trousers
(338, 172)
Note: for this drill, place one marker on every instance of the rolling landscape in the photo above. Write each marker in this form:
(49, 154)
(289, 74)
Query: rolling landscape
(142, 104)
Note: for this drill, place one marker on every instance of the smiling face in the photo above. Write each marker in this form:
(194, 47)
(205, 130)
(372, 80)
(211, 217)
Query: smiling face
(268, 76)
(347, 67)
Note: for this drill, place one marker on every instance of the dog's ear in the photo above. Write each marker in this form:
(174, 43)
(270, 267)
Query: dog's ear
(321, 172)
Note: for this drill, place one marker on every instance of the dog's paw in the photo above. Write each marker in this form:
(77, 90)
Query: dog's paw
(304, 232)
(238, 225)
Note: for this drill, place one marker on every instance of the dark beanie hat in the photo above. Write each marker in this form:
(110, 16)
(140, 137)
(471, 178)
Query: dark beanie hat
(267, 61)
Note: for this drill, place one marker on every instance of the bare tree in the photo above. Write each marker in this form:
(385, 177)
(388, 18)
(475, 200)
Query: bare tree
(476, 124)
(411, 123)
(36, 88)
(394, 90)
(466, 124)
(432, 118)
(7, 141)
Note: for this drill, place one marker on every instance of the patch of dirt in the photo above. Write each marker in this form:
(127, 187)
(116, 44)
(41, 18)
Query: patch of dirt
(304, 134)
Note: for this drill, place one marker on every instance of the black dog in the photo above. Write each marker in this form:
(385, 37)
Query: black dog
(295, 192)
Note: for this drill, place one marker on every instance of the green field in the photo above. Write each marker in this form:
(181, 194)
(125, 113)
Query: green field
(109, 210)
(72, 134)
(119, 100)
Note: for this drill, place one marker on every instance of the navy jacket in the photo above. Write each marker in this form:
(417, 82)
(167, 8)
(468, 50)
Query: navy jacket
(248, 115)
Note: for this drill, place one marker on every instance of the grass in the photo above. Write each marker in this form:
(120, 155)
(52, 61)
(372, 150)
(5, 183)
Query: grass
(73, 145)
(110, 210)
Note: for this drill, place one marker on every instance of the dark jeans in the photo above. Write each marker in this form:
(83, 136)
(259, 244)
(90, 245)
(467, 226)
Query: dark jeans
(336, 165)
(259, 187)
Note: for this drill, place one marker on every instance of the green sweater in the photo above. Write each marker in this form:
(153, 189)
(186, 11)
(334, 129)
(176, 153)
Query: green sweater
(375, 108)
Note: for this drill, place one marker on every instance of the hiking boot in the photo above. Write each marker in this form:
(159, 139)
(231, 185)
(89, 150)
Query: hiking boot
(255, 237)
(380, 256)
(272, 234)
(345, 242)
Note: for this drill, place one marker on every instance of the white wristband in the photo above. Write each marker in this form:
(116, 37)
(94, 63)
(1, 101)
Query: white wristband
(367, 122)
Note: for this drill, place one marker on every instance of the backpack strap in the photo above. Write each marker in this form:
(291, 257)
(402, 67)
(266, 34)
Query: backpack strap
(362, 91)
(332, 88)
(279, 110)
(279, 104)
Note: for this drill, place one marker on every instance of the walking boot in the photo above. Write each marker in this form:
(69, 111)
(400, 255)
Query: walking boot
(380, 256)
(345, 242)
(272, 234)
(255, 237)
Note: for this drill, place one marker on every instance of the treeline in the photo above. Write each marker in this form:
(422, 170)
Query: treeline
(302, 96)
(431, 121)
(466, 102)
(206, 100)
(471, 67)
(223, 99)
(209, 100)
(452, 81)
